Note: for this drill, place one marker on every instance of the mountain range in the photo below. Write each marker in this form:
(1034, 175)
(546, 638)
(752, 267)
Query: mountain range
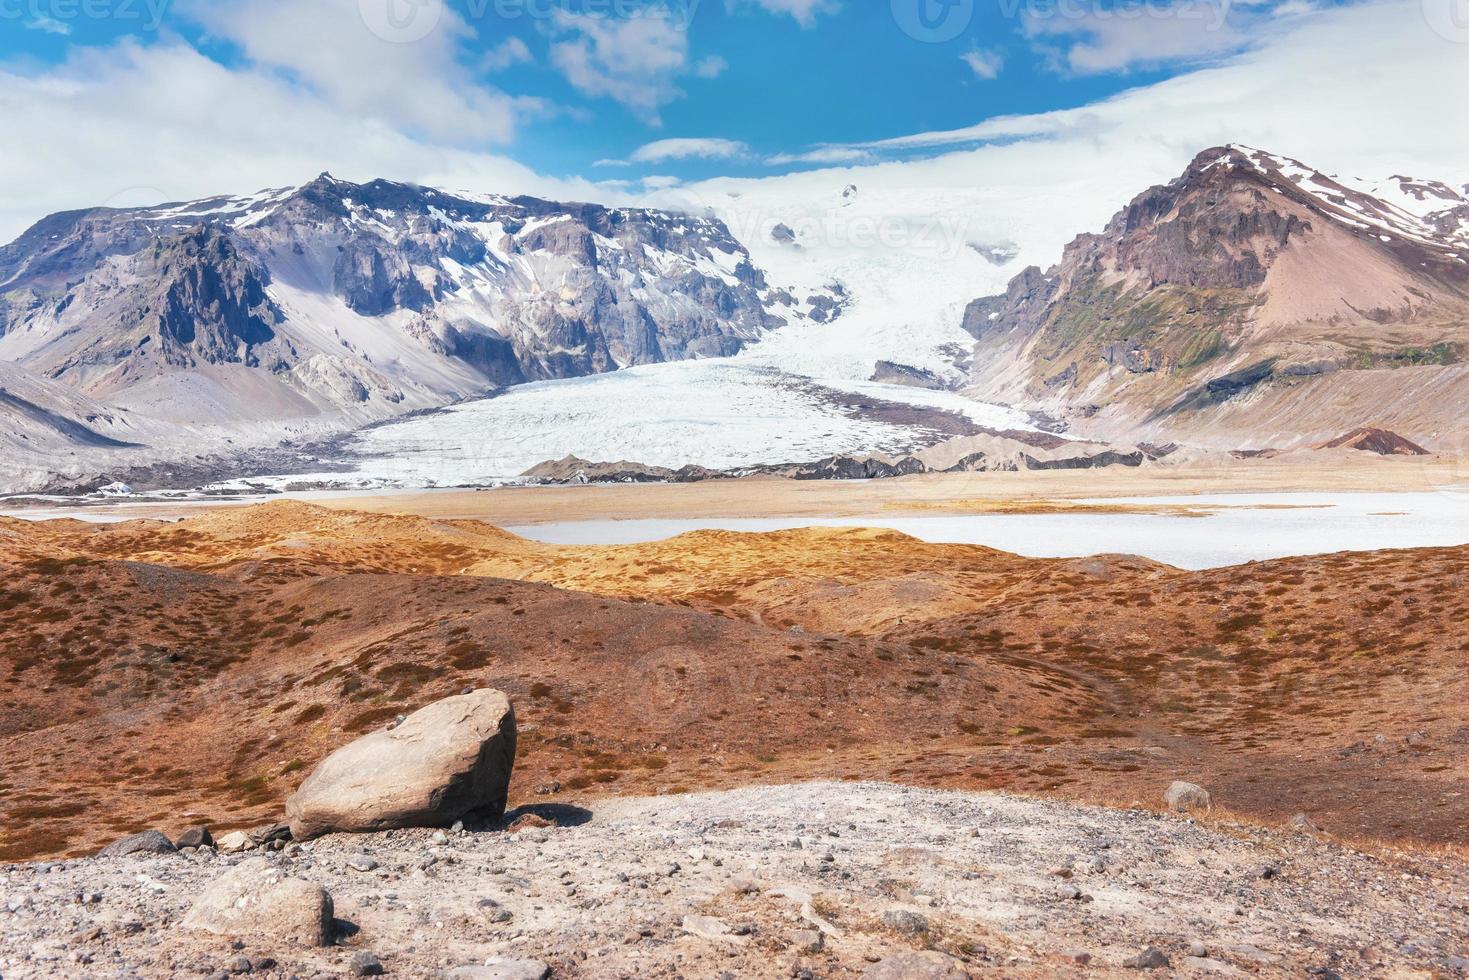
(358, 302)
(1251, 302)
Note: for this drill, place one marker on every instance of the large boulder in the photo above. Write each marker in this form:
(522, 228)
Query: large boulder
(256, 898)
(442, 763)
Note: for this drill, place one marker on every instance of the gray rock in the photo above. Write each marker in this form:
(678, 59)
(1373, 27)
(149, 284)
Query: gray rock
(1151, 958)
(361, 862)
(1254, 954)
(501, 969)
(234, 842)
(364, 964)
(195, 837)
(442, 763)
(707, 927)
(926, 965)
(255, 898)
(1188, 798)
(148, 842)
(905, 921)
(808, 940)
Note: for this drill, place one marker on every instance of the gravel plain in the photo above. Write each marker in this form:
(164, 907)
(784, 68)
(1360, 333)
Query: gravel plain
(807, 880)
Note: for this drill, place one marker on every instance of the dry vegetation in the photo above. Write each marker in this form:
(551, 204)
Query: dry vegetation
(160, 674)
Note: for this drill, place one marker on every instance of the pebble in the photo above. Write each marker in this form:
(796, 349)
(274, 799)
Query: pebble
(361, 862)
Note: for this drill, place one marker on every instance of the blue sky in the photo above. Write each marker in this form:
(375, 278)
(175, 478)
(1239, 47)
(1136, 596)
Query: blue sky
(136, 101)
(592, 81)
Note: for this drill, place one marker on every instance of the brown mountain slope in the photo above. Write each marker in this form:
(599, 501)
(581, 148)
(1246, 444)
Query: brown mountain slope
(201, 680)
(1241, 302)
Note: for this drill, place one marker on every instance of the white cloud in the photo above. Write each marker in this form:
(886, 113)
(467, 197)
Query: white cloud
(711, 67)
(1089, 39)
(507, 54)
(984, 64)
(636, 61)
(130, 124)
(1288, 94)
(822, 155)
(49, 25)
(326, 46)
(804, 11)
(687, 149)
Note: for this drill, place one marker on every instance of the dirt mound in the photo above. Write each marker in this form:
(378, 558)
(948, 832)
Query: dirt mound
(1379, 441)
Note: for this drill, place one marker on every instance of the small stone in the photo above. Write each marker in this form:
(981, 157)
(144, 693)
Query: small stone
(808, 940)
(234, 842)
(1188, 798)
(361, 862)
(439, 837)
(1198, 950)
(1268, 872)
(708, 927)
(364, 964)
(1076, 956)
(501, 968)
(1151, 958)
(239, 965)
(905, 922)
(1304, 824)
(926, 965)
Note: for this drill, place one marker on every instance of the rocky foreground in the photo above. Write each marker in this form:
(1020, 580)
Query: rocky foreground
(812, 880)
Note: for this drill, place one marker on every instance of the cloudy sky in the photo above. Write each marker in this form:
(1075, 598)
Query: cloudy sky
(136, 101)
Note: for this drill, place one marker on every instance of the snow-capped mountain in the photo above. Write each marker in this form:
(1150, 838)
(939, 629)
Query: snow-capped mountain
(365, 301)
(1251, 300)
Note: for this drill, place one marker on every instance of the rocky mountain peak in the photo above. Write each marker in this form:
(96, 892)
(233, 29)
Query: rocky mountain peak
(1249, 271)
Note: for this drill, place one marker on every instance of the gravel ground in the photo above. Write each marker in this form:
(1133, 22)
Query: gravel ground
(820, 879)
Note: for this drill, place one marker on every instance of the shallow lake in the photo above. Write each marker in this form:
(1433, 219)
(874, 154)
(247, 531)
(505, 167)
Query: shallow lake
(1230, 529)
